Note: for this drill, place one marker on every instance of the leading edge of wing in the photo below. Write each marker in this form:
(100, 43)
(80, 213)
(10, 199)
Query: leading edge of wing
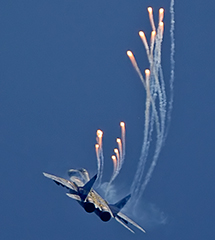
(61, 181)
(123, 224)
(123, 218)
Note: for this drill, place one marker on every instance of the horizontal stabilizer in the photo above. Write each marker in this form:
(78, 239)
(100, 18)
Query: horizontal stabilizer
(127, 220)
(121, 222)
(74, 196)
(122, 202)
(115, 208)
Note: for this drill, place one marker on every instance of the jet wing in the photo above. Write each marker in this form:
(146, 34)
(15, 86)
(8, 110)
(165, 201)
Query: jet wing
(101, 204)
(74, 196)
(123, 224)
(80, 173)
(124, 220)
(61, 181)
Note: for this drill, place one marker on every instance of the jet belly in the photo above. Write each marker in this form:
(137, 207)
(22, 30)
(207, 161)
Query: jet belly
(101, 207)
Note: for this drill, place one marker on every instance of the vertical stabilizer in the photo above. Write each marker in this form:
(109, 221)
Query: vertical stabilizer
(84, 191)
(115, 208)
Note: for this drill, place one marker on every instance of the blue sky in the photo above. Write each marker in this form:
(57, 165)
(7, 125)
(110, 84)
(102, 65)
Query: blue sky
(64, 74)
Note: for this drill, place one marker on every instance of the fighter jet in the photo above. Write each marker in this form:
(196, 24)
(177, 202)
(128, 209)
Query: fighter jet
(80, 188)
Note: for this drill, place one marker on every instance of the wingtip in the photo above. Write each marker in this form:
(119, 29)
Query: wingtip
(122, 216)
(124, 225)
(46, 174)
(95, 176)
(129, 196)
(141, 229)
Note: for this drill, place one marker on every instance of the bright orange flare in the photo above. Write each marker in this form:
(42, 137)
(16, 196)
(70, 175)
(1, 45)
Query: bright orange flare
(131, 57)
(99, 133)
(117, 155)
(161, 14)
(134, 63)
(147, 72)
(153, 34)
(118, 140)
(161, 24)
(150, 10)
(130, 54)
(114, 162)
(97, 150)
(99, 138)
(116, 150)
(161, 10)
(161, 27)
(151, 18)
(122, 124)
(144, 40)
(142, 34)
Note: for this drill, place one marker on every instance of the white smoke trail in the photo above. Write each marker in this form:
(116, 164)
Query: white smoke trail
(155, 111)
(99, 156)
(158, 94)
(144, 152)
(150, 114)
(122, 157)
(172, 64)
(99, 169)
(162, 110)
(118, 160)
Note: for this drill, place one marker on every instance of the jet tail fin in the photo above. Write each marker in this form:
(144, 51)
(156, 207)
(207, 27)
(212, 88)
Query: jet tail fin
(87, 187)
(115, 208)
(84, 191)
